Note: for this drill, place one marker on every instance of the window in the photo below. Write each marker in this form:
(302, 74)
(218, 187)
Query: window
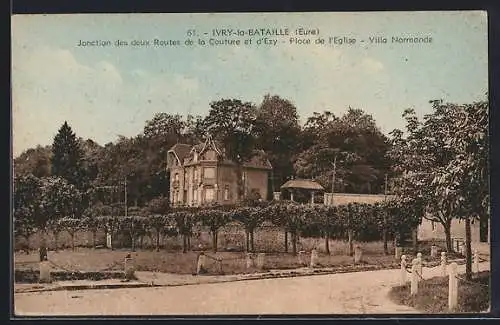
(209, 194)
(176, 177)
(226, 193)
(209, 172)
(210, 155)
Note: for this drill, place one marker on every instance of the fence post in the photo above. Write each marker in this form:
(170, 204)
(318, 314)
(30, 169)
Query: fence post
(414, 277)
(358, 254)
(403, 278)
(302, 262)
(249, 260)
(314, 258)
(44, 272)
(453, 287)
(129, 268)
(476, 261)
(420, 269)
(434, 251)
(443, 263)
(397, 252)
(260, 260)
(200, 266)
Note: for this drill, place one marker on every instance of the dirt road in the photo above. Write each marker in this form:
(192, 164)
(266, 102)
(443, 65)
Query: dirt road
(348, 293)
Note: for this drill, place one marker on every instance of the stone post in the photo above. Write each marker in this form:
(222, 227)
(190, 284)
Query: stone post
(434, 251)
(443, 263)
(453, 287)
(249, 260)
(476, 261)
(314, 258)
(261, 260)
(414, 277)
(200, 265)
(420, 269)
(358, 254)
(312, 197)
(302, 261)
(403, 278)
(45, 272)
(109, 241)
(129, 268)
(398, 251)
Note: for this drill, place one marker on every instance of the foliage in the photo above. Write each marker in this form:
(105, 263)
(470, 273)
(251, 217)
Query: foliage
(67, 157)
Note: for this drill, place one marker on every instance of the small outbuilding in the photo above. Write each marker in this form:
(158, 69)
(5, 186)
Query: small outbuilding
(302, 184)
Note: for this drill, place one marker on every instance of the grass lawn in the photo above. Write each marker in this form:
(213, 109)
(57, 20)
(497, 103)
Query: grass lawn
(432, 295)
(172, 261)
(85, 259)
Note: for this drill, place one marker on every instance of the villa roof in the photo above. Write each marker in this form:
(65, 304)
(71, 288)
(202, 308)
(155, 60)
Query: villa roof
(181, 150)
(303, 184)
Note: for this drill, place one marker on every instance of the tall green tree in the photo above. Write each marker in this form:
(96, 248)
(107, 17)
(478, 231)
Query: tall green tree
(232, 123)
(278, 133)
(354, 142)
(67, 157)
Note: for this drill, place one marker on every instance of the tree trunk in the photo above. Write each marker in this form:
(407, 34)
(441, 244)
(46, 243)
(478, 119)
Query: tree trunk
(415, 240)
(56, 234)
(189, 242)
(468, 251)
(247, 241)
(157, 240)
(447, 233)
(252, 247)
(384, 237)
(240, 184)
(351, 246)
(294, 243)
(133, 243)
(286, 241)
(184, 243)
(141, 241)
(327, 243)
(214, 241)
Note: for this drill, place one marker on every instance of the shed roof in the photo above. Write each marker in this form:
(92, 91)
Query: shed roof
(303, 183)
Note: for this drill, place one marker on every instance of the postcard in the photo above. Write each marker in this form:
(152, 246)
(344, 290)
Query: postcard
(280, 163)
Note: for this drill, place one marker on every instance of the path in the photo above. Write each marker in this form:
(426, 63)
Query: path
(347, 293)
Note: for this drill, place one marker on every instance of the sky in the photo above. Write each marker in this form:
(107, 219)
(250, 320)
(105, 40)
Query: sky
(107, 91)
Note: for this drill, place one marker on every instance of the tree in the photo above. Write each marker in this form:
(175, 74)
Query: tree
(92, 224)
(291, 217)
(277, 132)
(464, 182)
(214, 219)
(250, 217)
(162, 225)
(356, 144)
(27, 192)
(35, 161)
(67, 157)
(184, 221)
(420, 157)
(71, 226)
(231, 122)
